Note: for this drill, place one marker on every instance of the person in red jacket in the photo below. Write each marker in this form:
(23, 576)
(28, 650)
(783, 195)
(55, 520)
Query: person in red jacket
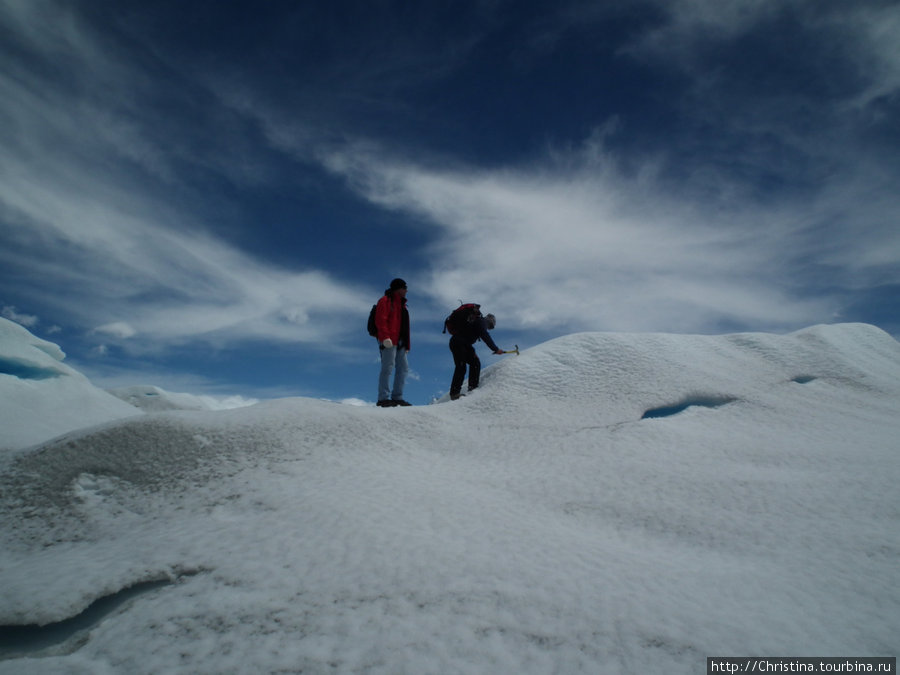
(392, 323)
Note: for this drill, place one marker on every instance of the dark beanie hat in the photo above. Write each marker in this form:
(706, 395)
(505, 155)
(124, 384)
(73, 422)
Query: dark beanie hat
(397, 283)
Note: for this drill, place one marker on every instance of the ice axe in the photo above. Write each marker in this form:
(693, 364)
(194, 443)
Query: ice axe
(510, 351)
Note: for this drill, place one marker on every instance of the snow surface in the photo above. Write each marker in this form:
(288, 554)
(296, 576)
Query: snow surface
(539, 525)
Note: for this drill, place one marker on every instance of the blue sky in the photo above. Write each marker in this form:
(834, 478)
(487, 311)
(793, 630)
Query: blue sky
(209, 196)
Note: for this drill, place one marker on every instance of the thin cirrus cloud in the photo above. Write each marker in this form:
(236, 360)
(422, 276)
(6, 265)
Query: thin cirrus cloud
(87, 225)
(771, 208)
(134, 258)
(588, 248)
(171, 285)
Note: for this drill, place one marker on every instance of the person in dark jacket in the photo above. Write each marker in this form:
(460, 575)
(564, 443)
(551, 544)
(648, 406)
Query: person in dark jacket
(392, 323)
(462, 346)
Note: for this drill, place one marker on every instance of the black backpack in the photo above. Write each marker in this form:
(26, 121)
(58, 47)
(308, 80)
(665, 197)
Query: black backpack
(372, 328)
(461, 317)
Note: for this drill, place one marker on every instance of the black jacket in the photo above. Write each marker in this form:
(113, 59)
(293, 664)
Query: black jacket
(474, 331)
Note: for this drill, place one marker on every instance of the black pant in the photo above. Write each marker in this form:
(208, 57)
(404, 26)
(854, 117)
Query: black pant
(464, 355)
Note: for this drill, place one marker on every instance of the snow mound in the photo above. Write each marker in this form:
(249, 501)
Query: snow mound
(544, 523)
(631, 374)
(153, 399)
(41, 396)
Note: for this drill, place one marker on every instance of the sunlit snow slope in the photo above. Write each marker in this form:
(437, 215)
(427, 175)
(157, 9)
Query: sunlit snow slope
(604, 503)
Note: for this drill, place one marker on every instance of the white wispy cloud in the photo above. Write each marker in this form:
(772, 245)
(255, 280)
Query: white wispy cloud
(91, 204)
(859, 36)
(118, 329)
(579, 240)
(589, 248)
(11, 313)
(93, 196)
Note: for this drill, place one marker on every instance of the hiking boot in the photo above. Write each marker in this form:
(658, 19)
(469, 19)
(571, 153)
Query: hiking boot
(386, 403)
(454, 397)
(400, 402)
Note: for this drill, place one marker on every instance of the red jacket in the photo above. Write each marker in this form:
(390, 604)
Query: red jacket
(392, 320)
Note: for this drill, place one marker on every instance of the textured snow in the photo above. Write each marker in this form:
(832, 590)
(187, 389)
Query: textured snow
(538, 525)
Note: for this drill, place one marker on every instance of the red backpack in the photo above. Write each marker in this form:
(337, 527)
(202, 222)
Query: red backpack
(461, 317)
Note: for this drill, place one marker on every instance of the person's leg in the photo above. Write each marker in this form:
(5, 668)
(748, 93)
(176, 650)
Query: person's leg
(387, 365)
(474, 369)
(459, 373)
(401, 368)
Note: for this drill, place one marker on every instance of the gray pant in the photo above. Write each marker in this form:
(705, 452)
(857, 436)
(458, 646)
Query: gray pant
(392, 358)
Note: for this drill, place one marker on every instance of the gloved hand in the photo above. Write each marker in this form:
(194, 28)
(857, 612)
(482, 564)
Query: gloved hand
(499, 351)
(387, 343)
